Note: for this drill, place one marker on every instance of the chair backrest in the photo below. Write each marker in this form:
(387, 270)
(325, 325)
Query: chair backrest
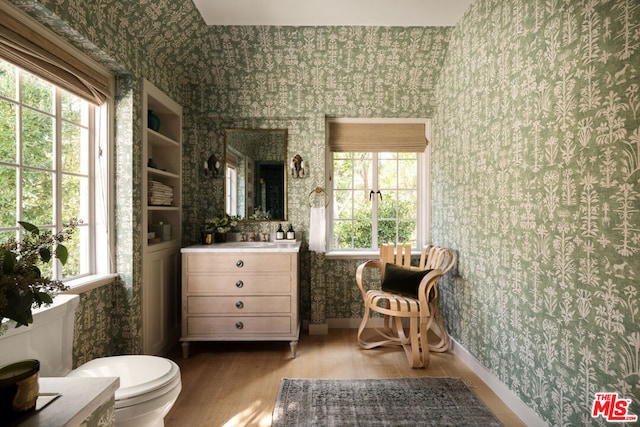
(433, 256)
(392, 254)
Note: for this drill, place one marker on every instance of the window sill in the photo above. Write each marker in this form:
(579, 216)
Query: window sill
(365, 254)
(84, 284)
(352, 254)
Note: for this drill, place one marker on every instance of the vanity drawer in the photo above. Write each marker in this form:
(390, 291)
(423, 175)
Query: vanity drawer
(238, 262)
(239, 284)
(239, 305)
(239, 325)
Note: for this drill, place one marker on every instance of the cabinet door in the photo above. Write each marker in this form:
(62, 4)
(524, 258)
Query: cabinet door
(160, 301)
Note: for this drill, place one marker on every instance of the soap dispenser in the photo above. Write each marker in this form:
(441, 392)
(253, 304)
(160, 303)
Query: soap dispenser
(291, 235)
(279, 233)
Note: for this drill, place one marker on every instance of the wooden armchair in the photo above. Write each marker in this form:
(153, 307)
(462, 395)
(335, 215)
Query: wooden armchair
(396, 303)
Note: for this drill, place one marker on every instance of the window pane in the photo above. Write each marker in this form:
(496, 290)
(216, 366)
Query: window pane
(387, 174)
(75, 147)
(37, 197)
(8, 79)
(8, 196)
(407, 204)
(408, 173)
(342, 234)
(6, 236)
(343, 204)
(356, 234)
(74, 109)
(388, 204)
(343, 174)
(78, 247)
(7, 132)
(362, 234)
(386, 231)
(37, 93)
(75, 197)
(408, 232)
(361, 204)
(362, 170)
(37, 139)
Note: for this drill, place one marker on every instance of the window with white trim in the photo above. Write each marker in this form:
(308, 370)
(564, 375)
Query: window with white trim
(378, 196)
(54, 168)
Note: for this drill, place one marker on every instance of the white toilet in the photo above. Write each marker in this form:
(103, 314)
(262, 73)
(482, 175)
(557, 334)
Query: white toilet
(149, 385)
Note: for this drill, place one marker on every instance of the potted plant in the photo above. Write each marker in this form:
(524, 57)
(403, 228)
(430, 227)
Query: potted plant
(221, 225)
(23, 287)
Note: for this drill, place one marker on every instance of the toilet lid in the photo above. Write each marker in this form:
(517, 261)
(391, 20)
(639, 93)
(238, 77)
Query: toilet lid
(139, 374)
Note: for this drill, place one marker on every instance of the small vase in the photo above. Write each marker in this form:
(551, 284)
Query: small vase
(220, 237)
(19, 387)
(153, 121)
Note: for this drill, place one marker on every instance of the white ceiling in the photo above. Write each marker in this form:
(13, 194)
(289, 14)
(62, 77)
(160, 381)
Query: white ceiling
(402, 13)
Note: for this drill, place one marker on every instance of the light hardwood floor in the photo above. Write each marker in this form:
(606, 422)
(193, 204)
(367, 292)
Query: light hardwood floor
(235, 384)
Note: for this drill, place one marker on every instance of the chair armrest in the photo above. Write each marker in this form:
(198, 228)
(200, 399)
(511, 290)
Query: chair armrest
(360, 272)
(427, 284)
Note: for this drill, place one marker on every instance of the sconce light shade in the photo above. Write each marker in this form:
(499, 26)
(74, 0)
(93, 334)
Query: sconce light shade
(297, 166)
(212, 166)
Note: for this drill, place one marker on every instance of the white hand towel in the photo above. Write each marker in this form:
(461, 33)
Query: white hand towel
(317, 230)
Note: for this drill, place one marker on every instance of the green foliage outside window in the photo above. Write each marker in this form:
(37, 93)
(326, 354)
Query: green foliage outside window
(28, 154)
(357, 234)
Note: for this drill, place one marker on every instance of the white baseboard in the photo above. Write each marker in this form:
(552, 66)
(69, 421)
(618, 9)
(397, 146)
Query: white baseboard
(526, 414)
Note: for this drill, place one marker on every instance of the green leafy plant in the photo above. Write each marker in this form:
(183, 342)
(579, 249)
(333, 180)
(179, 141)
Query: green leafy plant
(23, 287)
(221, 224)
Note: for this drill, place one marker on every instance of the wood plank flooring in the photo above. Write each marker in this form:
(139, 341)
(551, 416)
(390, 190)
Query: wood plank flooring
(227, 384)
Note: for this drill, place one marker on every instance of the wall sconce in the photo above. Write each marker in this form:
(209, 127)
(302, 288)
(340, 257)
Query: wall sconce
(212, 166)
(297, 167)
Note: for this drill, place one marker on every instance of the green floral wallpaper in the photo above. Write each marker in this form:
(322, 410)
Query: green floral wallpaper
(535, 158)
(536, 180)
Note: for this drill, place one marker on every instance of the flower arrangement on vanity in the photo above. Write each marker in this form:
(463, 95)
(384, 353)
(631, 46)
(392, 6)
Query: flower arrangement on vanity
(218, 226)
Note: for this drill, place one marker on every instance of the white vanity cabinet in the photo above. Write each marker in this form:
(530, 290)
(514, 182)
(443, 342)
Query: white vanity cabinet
(236, 292)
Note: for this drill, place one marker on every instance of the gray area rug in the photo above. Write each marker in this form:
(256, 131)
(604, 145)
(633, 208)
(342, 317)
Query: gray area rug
(379, 402)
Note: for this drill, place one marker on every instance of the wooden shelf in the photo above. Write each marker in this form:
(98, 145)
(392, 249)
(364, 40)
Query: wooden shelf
(161, 259)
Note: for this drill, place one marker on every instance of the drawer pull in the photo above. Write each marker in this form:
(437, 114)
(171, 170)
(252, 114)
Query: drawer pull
(239, 263)
(239, 325)
(239, 284)
(239, 305)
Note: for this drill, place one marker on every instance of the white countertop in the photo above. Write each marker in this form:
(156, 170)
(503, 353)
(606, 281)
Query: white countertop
(80, 397)
(283, 246)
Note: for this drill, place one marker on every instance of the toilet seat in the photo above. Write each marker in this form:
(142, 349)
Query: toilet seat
(142, 377)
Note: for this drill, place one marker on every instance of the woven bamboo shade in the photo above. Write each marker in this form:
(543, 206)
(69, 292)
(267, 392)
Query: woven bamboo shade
(41, 56)
(377, 137)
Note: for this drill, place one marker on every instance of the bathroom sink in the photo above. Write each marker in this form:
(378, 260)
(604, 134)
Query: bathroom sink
(249, 245)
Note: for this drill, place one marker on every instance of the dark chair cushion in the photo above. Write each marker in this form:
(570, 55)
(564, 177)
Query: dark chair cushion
(403, 281)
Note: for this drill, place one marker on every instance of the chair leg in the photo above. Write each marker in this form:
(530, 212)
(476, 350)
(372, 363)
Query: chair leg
(445, 340)
(424, 343)
(386, 334)
(417, 356)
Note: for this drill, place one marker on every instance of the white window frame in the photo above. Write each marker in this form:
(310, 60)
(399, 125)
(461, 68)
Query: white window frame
(101, 263)
(231, 184)
(424, 188)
